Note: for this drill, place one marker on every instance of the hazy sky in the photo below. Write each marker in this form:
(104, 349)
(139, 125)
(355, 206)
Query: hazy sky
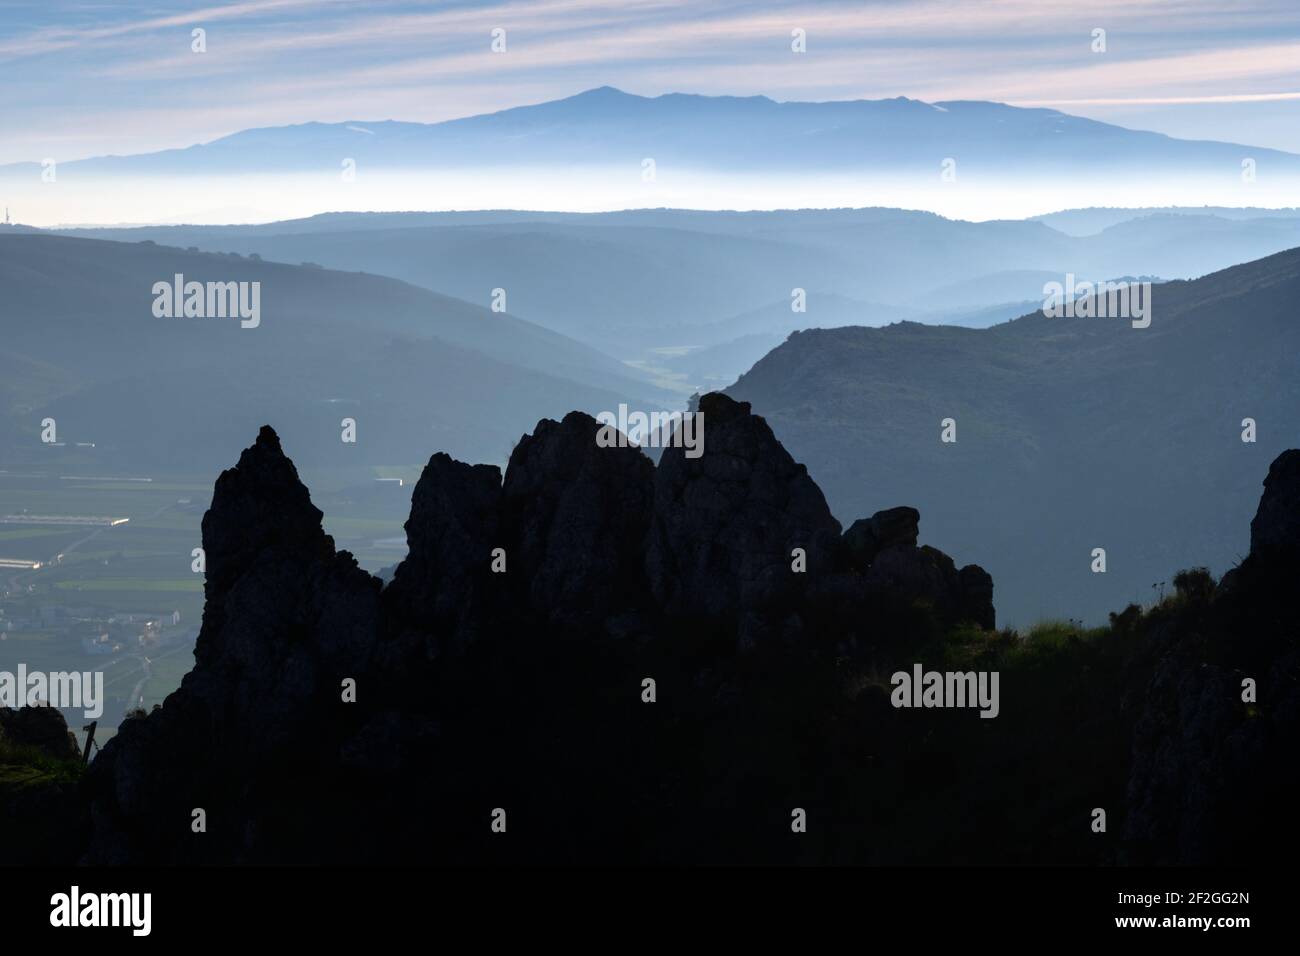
(92, 77)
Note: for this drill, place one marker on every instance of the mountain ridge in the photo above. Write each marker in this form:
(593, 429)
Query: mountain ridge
(838, 145)
(1074, 433)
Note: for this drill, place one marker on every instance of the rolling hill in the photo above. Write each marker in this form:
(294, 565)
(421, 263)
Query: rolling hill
(637, 281)
(403, 361)
(1072, 433)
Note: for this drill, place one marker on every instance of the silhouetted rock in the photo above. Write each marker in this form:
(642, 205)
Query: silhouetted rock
(258, 506)
(1211, 773)
(770, 682)
(726, 523)
(285, 616)
(977, 597)
(859, 545)
(388, 742)
(867, 537)
(1276, 526)
(43, 817)
(329, 719)
(883, 548)
(916, 574)
(40, 727)
(445, 583)
(577, 517)
(1188, 742)
(895, 526)
(286, 620)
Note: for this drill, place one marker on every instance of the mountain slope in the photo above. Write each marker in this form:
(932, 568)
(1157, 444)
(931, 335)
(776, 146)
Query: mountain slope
(1072, 434)
(403, 361)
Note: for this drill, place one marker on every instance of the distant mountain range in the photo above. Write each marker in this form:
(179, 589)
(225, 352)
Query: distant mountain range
(1087, 222)
(1077, 433)
(1072, 434)
(635, 284)
(606, 126)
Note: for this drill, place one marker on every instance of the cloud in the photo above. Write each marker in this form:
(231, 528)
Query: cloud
(105, 80)
(60, 38)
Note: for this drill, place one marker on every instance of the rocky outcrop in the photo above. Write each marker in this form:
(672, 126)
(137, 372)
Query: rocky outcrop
(577, 516)
(285, 615)
(286, 620)
(976, 602)
(867, 537)
(726, 524)
(328, 719)
(1208, 781)
(1275, 529)
(445, 585)
(883, 548)
(43, 818)
(320, 697)
(41, 728)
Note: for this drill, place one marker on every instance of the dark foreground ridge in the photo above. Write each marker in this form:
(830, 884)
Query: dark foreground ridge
(525, 691)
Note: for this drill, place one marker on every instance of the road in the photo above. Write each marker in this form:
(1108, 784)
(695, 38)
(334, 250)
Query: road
(15, 583)
(145, 670)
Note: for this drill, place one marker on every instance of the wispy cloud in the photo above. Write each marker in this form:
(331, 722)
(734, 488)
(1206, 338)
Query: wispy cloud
(64, 37)
(97, 79)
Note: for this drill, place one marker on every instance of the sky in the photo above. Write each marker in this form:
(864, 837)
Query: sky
(91, 78)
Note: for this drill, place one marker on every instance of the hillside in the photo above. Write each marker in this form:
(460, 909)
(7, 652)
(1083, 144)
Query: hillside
(1072, 434)
(405, 362)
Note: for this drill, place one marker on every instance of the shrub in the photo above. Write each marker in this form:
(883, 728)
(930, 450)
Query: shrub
(1194, 584)
(26, 764)
(1126, 620)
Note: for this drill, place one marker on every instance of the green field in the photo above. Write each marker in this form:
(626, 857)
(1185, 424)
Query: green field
(130, 584)
(23, 532)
